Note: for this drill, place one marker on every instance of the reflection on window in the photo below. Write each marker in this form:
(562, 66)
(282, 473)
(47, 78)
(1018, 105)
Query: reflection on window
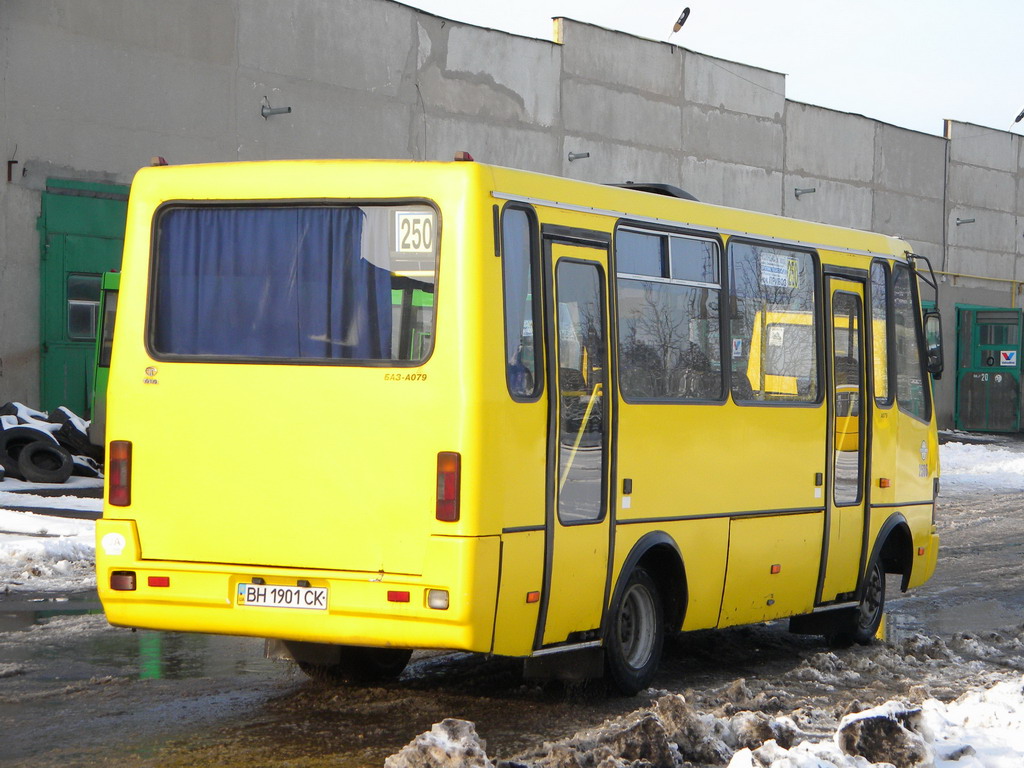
(640, 254)
(582, 380)
(517, 260)
(296, 282)
(83, 306)
(669, 337)
(879, 330)
(847, 410)
(910, 379)
(772, 326)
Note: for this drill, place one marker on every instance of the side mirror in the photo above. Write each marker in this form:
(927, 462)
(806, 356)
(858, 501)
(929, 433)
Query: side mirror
(933, 343)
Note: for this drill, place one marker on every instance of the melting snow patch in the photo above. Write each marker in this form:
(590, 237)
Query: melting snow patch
(40, 552)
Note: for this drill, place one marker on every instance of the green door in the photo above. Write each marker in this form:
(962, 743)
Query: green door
(81, 228)
(988, 369)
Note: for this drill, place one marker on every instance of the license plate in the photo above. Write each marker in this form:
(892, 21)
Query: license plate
(276, 596)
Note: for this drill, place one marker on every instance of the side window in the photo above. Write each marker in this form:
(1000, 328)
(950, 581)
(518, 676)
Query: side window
(772, 325)
(669, 299)
(880, 332)
(518, 254)
(911, 393)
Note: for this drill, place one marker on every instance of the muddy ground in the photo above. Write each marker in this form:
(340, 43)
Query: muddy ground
(74, 691)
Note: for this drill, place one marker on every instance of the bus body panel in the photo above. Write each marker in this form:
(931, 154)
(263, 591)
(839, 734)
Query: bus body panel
(773, 567)
(664, 449)
(203, 597)
(522, 579)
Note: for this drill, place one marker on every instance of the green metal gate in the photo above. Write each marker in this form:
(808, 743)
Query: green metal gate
(81, 232)
(988, 369)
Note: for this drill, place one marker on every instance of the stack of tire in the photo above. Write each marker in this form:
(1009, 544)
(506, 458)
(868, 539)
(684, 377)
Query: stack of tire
(42, 447)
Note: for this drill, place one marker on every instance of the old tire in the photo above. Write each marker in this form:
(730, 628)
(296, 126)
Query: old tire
(636, 634)
(43, 462)
(360, 665)
(14, 439)
(10, 467)
(864, 621)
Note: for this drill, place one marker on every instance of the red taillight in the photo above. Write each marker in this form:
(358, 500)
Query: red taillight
(395, 596)
(119, 470)
(159, 581)
(448, 472)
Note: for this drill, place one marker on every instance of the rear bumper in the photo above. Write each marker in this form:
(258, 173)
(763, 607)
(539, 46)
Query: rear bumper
(201, 597)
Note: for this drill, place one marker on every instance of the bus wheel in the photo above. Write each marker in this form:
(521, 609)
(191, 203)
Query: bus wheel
(360, 665)
(867, 618)
(635, 635)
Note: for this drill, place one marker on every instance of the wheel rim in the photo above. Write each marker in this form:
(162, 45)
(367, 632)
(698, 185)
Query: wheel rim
(637, 632)
(871, 603)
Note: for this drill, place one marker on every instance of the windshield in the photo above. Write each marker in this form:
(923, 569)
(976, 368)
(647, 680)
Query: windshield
(295, 282)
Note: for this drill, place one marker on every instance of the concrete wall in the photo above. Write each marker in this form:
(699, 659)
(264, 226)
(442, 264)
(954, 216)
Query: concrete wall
(91, 89)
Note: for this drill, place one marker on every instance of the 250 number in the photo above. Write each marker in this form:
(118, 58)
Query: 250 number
(415, 232)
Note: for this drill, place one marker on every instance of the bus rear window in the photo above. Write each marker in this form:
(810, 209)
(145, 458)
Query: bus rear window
(288, 283)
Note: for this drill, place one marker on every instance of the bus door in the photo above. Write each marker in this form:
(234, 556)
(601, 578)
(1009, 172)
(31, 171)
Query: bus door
(847, 440)
(577, 522)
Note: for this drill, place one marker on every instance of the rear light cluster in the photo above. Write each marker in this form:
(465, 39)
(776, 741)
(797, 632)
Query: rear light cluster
(119, 470)
(449, 471)
(127, 581)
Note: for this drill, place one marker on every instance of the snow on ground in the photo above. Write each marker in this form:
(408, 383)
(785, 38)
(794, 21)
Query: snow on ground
(990, 467)
(72, 483)
(983, 728)
(46, 553)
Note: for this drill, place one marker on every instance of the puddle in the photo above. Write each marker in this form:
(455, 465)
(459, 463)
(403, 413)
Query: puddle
(23, 610)
(40, 628)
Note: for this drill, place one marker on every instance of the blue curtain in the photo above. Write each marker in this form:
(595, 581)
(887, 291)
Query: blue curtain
(269, 282)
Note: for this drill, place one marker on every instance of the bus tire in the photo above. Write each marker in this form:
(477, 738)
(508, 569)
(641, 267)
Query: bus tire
(636, 634)
(358, 664)
(864, 622)
(42, 462)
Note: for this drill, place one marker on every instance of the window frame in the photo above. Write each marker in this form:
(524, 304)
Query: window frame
(818, 313)
(537, 304)
(890, 334)
(668, 232)
(915, 301)
(154, 264)
(79, 303)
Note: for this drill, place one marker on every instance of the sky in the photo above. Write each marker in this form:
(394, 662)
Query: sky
(911, 63)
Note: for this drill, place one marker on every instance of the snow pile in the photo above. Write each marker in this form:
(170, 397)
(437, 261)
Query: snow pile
(985, 467)
(981, 729)
(40, 552)
(451, 743)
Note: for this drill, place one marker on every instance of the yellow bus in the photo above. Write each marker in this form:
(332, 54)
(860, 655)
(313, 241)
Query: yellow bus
(366, 407)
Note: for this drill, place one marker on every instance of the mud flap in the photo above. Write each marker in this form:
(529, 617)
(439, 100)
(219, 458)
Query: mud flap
(568, 666)
(821, 623)
(310, 653)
